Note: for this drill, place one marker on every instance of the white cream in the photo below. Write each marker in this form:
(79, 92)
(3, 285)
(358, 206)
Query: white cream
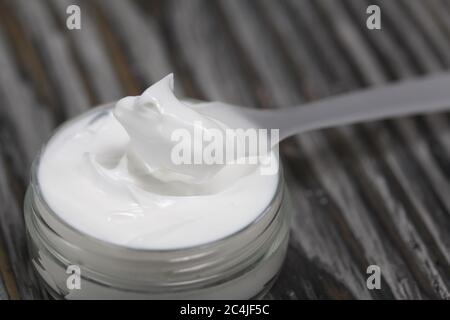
(110, 176)
(150, 120)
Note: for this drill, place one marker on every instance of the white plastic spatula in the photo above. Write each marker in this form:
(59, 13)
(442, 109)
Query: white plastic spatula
(424, 95)
(430, 94)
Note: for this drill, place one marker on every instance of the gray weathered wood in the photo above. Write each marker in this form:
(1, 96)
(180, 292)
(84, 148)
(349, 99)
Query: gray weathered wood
(88, 44)
(193, 32)
(141, 38)
(28, 125)
(332, 175)
(27, 122)
(369, 194)
(22, 280)
(357, 49)
(55, 53)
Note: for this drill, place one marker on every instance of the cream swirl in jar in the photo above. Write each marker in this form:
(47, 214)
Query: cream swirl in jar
(111, 176)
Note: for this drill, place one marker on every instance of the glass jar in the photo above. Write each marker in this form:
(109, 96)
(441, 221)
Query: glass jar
(242, 265)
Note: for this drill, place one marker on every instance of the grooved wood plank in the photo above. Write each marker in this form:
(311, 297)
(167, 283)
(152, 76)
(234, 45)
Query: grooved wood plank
(25, 125)
(95, 60)
(3, 293)
(369, 194)
(54, 51)
(276, 76)
(338, 188)
(433, 34)
(304, 60)
(194, 31)
(357, 48)
(392, 12)
(427, 163)
(140, 37)
(13, 235)
(434, 173)
(190, 15)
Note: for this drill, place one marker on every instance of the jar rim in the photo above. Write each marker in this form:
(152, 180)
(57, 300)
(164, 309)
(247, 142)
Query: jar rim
(35, 185)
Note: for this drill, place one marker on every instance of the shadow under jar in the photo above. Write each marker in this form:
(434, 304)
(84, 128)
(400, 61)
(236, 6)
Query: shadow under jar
(242, 265)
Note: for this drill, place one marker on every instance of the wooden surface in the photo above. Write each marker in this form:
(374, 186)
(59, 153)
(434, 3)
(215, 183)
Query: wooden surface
(377, 193)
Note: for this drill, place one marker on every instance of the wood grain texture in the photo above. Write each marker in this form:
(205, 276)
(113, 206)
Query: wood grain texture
(54, 51)
(140, 37)
(24, 123)
(369, 194)
(94, 59)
